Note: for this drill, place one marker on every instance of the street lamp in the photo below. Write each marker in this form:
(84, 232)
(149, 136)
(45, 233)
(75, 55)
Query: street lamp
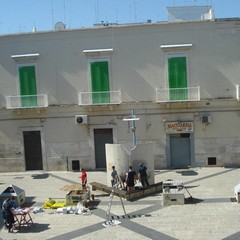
(132, 118)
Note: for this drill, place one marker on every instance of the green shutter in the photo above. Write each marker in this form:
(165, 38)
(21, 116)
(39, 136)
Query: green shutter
(177, 77)
(27, 78)
(100, 82)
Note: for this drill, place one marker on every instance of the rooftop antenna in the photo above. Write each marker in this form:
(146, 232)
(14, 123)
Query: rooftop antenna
(34, 29)
(117, 15)
(130, 15)
(70, 21)
(64, 12)
(211, 3)
(96, 11)
(135, 10)
(52, 13)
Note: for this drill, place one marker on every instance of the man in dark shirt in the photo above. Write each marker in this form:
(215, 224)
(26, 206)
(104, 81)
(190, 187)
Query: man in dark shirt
(143, 175)
(131, 176)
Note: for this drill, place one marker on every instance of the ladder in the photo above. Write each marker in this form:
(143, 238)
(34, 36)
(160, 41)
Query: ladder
(110, 205)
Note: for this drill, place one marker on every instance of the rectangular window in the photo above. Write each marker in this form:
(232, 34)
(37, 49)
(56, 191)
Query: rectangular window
(177, 78)
(28, 86)
(100, 82)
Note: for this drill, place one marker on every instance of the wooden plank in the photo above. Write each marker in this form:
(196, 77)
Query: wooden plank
(144, 191)
(137, 193)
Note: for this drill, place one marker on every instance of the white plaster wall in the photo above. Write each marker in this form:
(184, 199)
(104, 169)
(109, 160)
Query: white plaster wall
(63, 69)
(143, 153)
(64, 140)
(122, 157)
(218, 139)
(116, 156)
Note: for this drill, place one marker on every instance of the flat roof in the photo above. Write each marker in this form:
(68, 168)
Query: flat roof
(106, 26)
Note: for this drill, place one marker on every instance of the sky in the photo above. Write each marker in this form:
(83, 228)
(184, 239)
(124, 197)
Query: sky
(23, 15)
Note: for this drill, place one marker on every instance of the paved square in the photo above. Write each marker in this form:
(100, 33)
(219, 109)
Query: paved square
(213, 212)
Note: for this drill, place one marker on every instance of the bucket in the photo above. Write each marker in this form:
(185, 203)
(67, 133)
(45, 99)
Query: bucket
(64, 210)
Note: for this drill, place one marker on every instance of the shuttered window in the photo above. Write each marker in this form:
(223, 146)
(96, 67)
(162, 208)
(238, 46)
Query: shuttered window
(28, 87)
(177, 78)
(100, 82)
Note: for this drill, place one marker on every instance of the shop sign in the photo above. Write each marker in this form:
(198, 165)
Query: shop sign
(179, 127)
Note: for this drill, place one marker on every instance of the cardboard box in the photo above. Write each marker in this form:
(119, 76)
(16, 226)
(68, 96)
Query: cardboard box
(75, 196)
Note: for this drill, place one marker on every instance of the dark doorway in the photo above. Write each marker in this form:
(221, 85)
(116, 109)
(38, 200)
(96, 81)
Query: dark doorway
(101, 137)
(180, 150)
(33, 150)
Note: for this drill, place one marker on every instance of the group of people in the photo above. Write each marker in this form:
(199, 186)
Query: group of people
(9, 204)
(127, 181)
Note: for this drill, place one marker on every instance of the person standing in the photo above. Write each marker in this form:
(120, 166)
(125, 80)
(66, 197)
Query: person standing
(130, 179)
(143, 175)
(84, 179)
(122, 181)
(114, 177)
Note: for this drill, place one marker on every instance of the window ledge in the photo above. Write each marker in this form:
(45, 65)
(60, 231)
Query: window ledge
(176, 47)
(98, 52)
(25, 57)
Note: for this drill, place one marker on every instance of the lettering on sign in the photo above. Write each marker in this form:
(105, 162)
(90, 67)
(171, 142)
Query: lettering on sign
(179, 127)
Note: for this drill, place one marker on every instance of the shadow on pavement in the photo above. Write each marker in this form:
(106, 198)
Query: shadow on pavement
(187, 173)
(192, 200)
(33, 229)
(94, 203)
(28, 202)
(40, 176)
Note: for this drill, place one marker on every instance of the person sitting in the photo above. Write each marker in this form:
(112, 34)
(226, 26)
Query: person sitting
(130, 179)
(13, 202)
(3, 212)
(8, 214)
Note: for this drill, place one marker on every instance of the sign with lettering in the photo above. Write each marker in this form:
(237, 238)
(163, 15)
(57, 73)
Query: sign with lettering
(179, 127)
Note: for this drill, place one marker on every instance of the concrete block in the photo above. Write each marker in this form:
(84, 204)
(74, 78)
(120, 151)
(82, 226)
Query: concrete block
(173, 196)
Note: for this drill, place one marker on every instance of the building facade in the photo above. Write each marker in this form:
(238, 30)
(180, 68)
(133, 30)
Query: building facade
(64, 94)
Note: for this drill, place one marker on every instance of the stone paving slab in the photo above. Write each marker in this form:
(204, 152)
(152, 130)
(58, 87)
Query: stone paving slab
(212, 214)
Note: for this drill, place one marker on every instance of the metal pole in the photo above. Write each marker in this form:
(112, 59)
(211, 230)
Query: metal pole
(134, 130)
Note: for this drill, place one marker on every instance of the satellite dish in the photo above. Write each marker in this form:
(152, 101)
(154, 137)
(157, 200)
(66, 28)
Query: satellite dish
(59, 26)
(34, 29)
